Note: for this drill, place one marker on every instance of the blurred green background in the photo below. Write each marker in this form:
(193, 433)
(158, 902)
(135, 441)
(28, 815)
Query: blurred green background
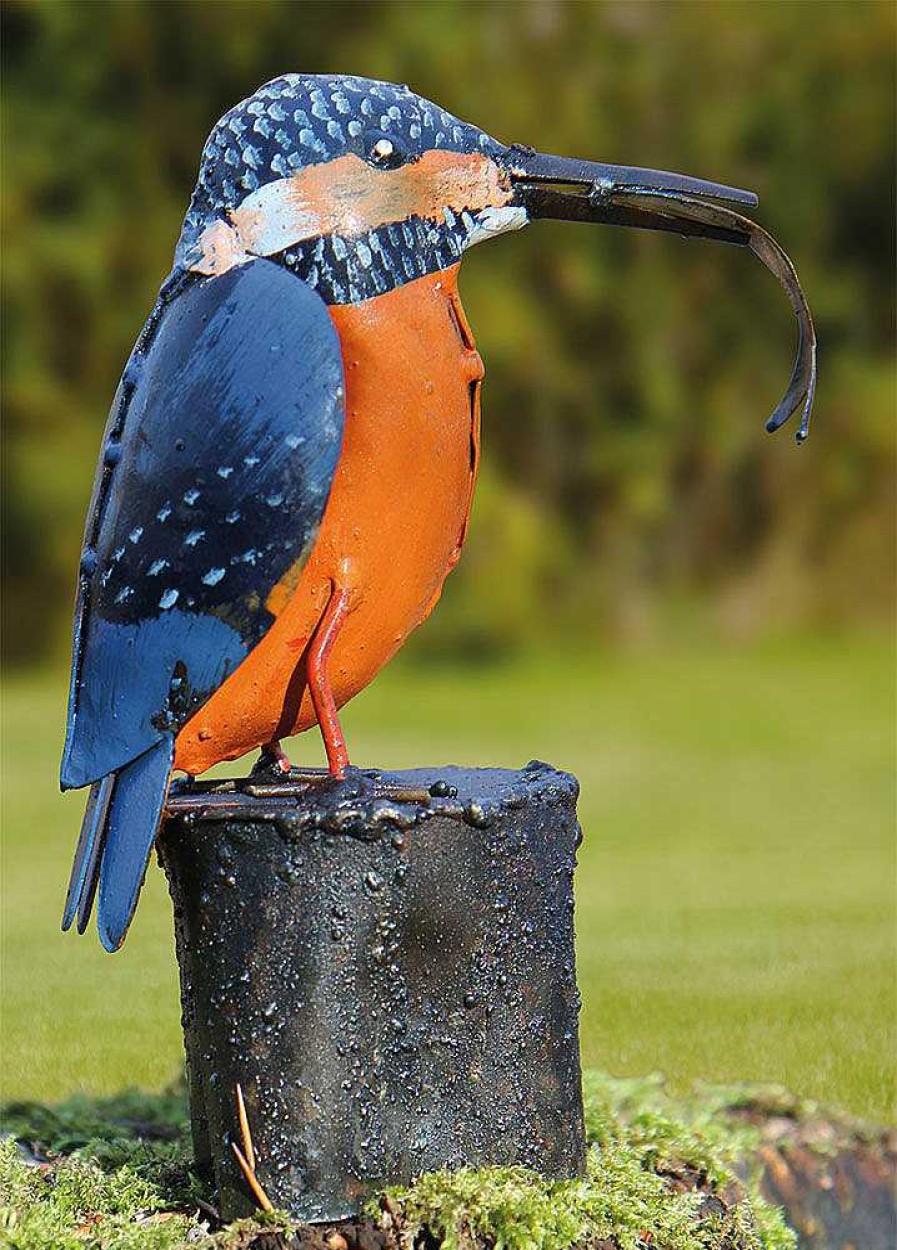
(691, 616)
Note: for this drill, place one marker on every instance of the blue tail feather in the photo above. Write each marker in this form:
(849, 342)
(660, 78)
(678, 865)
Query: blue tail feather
(82, 883)
(135, 812)
(94, 859)
(121, 821)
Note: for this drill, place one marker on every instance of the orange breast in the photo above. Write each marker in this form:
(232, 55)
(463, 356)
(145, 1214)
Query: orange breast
(393, 526)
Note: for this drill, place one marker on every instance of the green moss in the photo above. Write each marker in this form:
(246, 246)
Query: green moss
(78, 1206)
(91, 1200)
(117, 1177)
(653, 1178)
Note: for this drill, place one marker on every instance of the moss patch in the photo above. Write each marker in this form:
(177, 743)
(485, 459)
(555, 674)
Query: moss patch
(114, 1174)
(660, 1173)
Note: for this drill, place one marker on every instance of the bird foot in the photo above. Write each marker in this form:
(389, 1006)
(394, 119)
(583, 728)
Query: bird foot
(280, 756)
(273, 758)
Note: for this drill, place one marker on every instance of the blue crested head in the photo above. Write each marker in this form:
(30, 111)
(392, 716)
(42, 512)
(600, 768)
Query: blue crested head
(354, 184)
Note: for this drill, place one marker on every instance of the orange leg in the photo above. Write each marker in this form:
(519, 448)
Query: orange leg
(319, 684)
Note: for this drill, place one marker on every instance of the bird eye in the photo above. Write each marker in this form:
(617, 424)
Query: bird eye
(384, 152)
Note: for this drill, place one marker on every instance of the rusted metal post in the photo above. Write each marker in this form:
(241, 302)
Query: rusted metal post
(385, 966)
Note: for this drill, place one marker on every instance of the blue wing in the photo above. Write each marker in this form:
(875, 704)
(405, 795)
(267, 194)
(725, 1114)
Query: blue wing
(218, 461)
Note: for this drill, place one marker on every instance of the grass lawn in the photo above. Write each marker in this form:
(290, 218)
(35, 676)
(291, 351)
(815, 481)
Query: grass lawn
(735, 906)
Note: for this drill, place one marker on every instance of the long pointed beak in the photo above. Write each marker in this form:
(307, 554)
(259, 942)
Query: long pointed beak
(652, 199)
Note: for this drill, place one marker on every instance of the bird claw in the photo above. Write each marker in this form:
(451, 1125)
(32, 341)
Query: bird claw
(273, 756)
(281, 758)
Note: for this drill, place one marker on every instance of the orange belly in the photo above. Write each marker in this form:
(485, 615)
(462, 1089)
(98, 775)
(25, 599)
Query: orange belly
(393, 526)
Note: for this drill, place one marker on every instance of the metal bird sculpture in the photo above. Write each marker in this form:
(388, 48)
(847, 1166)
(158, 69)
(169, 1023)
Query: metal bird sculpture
(287, 468)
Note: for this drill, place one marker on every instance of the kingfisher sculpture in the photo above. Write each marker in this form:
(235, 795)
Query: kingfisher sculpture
(288, 465)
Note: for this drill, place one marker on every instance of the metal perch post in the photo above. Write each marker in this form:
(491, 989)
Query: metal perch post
(383, 970)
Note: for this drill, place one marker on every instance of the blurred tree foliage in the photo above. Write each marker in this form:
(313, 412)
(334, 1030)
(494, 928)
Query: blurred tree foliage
(629, 374)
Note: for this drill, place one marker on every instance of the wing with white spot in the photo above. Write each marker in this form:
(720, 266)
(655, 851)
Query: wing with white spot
(218, 460)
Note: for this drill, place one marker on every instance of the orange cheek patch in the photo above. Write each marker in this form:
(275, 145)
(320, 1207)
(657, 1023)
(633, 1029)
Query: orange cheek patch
(347, 197)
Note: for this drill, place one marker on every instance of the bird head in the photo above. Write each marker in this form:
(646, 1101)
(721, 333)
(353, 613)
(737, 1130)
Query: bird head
(360, 186)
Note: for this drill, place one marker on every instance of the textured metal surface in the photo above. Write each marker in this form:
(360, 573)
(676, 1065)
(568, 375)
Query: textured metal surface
(386, 966)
